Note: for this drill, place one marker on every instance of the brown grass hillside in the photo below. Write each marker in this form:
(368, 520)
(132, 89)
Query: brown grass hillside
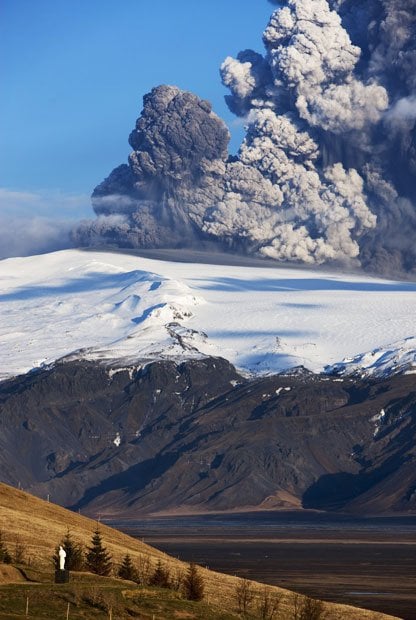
(40, 526)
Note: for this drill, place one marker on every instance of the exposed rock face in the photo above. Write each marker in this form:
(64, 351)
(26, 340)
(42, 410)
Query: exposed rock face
(199, 436)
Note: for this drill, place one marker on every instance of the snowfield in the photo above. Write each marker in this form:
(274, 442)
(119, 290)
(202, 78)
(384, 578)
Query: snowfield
(124, 309)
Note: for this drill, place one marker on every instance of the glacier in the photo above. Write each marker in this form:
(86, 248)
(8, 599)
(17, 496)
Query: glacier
(124, 309)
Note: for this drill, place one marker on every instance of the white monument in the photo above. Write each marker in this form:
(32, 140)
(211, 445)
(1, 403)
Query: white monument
(62, 556)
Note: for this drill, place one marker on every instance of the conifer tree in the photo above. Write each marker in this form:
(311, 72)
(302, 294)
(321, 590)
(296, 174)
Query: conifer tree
(161, 577)
(193, 584)
(127, 569)
(74, 553)
(98, 560)
(5, 556)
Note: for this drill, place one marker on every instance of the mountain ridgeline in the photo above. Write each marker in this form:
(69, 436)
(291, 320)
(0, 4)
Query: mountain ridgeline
(198, 436)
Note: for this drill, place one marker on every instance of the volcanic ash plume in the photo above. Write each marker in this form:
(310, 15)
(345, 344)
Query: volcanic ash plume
(160, 197)
(327, 170)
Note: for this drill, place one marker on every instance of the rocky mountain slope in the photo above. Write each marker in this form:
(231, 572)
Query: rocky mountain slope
(197, 436)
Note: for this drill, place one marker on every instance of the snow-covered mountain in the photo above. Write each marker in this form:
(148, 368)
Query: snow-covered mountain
(124, 309)
(393, 359)
(145, 416)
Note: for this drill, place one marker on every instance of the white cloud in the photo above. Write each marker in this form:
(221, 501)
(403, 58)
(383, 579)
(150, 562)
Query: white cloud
(49, 203)
(35, 235)
(37, 222)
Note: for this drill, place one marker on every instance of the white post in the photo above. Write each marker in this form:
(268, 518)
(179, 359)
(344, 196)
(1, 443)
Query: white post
(67, 612)
(27, 607)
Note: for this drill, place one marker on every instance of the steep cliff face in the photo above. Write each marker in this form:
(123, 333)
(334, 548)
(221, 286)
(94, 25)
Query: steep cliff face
(198, 436)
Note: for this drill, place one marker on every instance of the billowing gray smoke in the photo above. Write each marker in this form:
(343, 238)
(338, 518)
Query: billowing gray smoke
(327, 170)
(174, 174)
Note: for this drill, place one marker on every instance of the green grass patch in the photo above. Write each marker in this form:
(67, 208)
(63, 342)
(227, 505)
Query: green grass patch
(91, 598)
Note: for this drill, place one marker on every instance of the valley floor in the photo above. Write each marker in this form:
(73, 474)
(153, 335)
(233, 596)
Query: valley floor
(369, 563)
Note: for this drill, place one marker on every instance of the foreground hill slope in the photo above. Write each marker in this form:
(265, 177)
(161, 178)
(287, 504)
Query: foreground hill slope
(40, 525)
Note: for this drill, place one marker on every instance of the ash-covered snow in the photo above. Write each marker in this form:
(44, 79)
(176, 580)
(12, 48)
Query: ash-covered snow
(124, 310)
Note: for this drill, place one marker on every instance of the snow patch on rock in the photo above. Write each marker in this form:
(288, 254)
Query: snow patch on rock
(394, 359)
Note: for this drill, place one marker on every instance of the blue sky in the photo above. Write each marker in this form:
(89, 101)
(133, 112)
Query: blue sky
(73, 74)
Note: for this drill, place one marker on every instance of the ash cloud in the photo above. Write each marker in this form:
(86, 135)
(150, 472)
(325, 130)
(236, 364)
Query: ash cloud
(22, 233)
(174, 174)
(327, 170)
(34, 235)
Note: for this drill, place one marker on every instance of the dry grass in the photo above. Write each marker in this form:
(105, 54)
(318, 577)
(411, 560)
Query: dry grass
(40, 526)
(10, 574)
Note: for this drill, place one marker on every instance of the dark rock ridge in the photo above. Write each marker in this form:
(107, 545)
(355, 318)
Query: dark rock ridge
(198, 436)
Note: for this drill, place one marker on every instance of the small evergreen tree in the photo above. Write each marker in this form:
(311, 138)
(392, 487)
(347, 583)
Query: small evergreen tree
(98, 561)
(5, 556)
(161, 576)
(74, 553)
(127, 570)
(193, 584)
